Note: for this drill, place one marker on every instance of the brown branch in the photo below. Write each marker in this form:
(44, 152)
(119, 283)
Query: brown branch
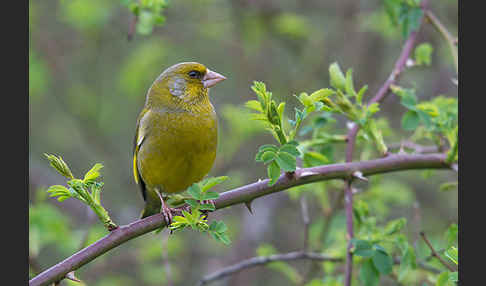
(262, 260)
(434, 253)
(391, 163)
(451, 40)
(400, 65)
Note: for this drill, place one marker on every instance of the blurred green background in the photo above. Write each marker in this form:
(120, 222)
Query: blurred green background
(87, 84)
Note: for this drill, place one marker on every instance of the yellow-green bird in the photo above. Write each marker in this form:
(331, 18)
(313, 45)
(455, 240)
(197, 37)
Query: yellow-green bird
(176, 135)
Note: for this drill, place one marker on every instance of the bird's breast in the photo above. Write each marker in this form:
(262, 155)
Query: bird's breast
(179, 150)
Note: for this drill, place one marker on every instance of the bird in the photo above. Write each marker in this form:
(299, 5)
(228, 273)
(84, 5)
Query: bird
(176, 135)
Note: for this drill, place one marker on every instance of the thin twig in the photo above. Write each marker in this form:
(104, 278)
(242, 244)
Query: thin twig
(132, 27)
(417, 148)
(262, 260)
(305, 220)
(451, 40)
(391, 163)
(434, 253)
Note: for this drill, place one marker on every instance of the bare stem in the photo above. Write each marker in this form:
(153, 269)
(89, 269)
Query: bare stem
(262, 260)
(451, 41)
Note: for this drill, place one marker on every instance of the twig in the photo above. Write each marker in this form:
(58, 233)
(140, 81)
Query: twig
(131, 28)
(417, 148)
(434, 253)
(305, 220)
(391, 163)
(262, 260)
(451, 41)
(400, 65)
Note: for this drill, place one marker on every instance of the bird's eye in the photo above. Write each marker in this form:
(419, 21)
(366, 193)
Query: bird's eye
(194, 74)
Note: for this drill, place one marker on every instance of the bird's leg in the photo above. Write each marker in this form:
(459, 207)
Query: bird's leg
(165, 210)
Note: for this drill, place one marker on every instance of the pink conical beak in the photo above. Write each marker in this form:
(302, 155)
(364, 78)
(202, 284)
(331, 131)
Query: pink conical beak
(211, 78)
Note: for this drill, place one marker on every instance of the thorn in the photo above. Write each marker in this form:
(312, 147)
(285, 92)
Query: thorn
(409, 63)
(71, 277)
(360, 176)
(248, 206)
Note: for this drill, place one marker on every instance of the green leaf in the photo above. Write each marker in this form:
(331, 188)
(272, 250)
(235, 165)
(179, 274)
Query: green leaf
(395, 226)
(321, 94)
(254, 105)
(443, 280)
(337, 78)
(291, 149)
(192, 203)
(286, 161)
(273, 171)
(382, 261)
(312, 159)
(448, 186)
(268, 157)
(454, 276)
(211, 182)
(210, 196)
(423, 54)
(368, 274)
(362, 248)
(58, 164)
(408, 262)
(410, 120)
(195, 191)
(452, 254)
(359, 96)
(93, 173)
(452, 234)
(349, 83)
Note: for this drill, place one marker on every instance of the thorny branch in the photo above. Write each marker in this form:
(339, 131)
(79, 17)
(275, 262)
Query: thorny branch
(391, 163)
(400, 65)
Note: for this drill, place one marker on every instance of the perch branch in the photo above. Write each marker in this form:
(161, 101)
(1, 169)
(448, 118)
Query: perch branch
(392, 163)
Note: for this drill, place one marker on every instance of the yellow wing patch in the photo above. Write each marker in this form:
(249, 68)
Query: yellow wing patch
(135, 171)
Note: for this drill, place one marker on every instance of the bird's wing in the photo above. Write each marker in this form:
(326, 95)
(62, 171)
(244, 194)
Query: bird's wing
(140, 135)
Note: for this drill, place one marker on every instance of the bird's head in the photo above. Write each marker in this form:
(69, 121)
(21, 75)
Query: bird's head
(183, 85)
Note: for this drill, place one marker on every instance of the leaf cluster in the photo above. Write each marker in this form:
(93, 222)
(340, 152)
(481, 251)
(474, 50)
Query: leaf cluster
(196, 218)
(86, 190)
(149, 14)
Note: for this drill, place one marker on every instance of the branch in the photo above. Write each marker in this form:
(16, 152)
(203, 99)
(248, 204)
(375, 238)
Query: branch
(261, 260)
(451, 41)
(434, 253)
(400, 65)
(247, 193)
(297, 255)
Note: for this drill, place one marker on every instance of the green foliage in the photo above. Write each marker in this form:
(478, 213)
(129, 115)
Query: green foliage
(87, 190)
(149, 14)
(404, 14)
(196, 219)
(437, 117)
(423, 54)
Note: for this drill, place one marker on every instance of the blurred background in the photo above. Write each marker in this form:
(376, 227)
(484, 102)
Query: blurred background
(87, 84)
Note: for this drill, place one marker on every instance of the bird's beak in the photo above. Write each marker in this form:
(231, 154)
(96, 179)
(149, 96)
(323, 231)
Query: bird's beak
(211, 78)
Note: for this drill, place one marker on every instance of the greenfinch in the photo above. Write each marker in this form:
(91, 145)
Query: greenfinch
(176, 135)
